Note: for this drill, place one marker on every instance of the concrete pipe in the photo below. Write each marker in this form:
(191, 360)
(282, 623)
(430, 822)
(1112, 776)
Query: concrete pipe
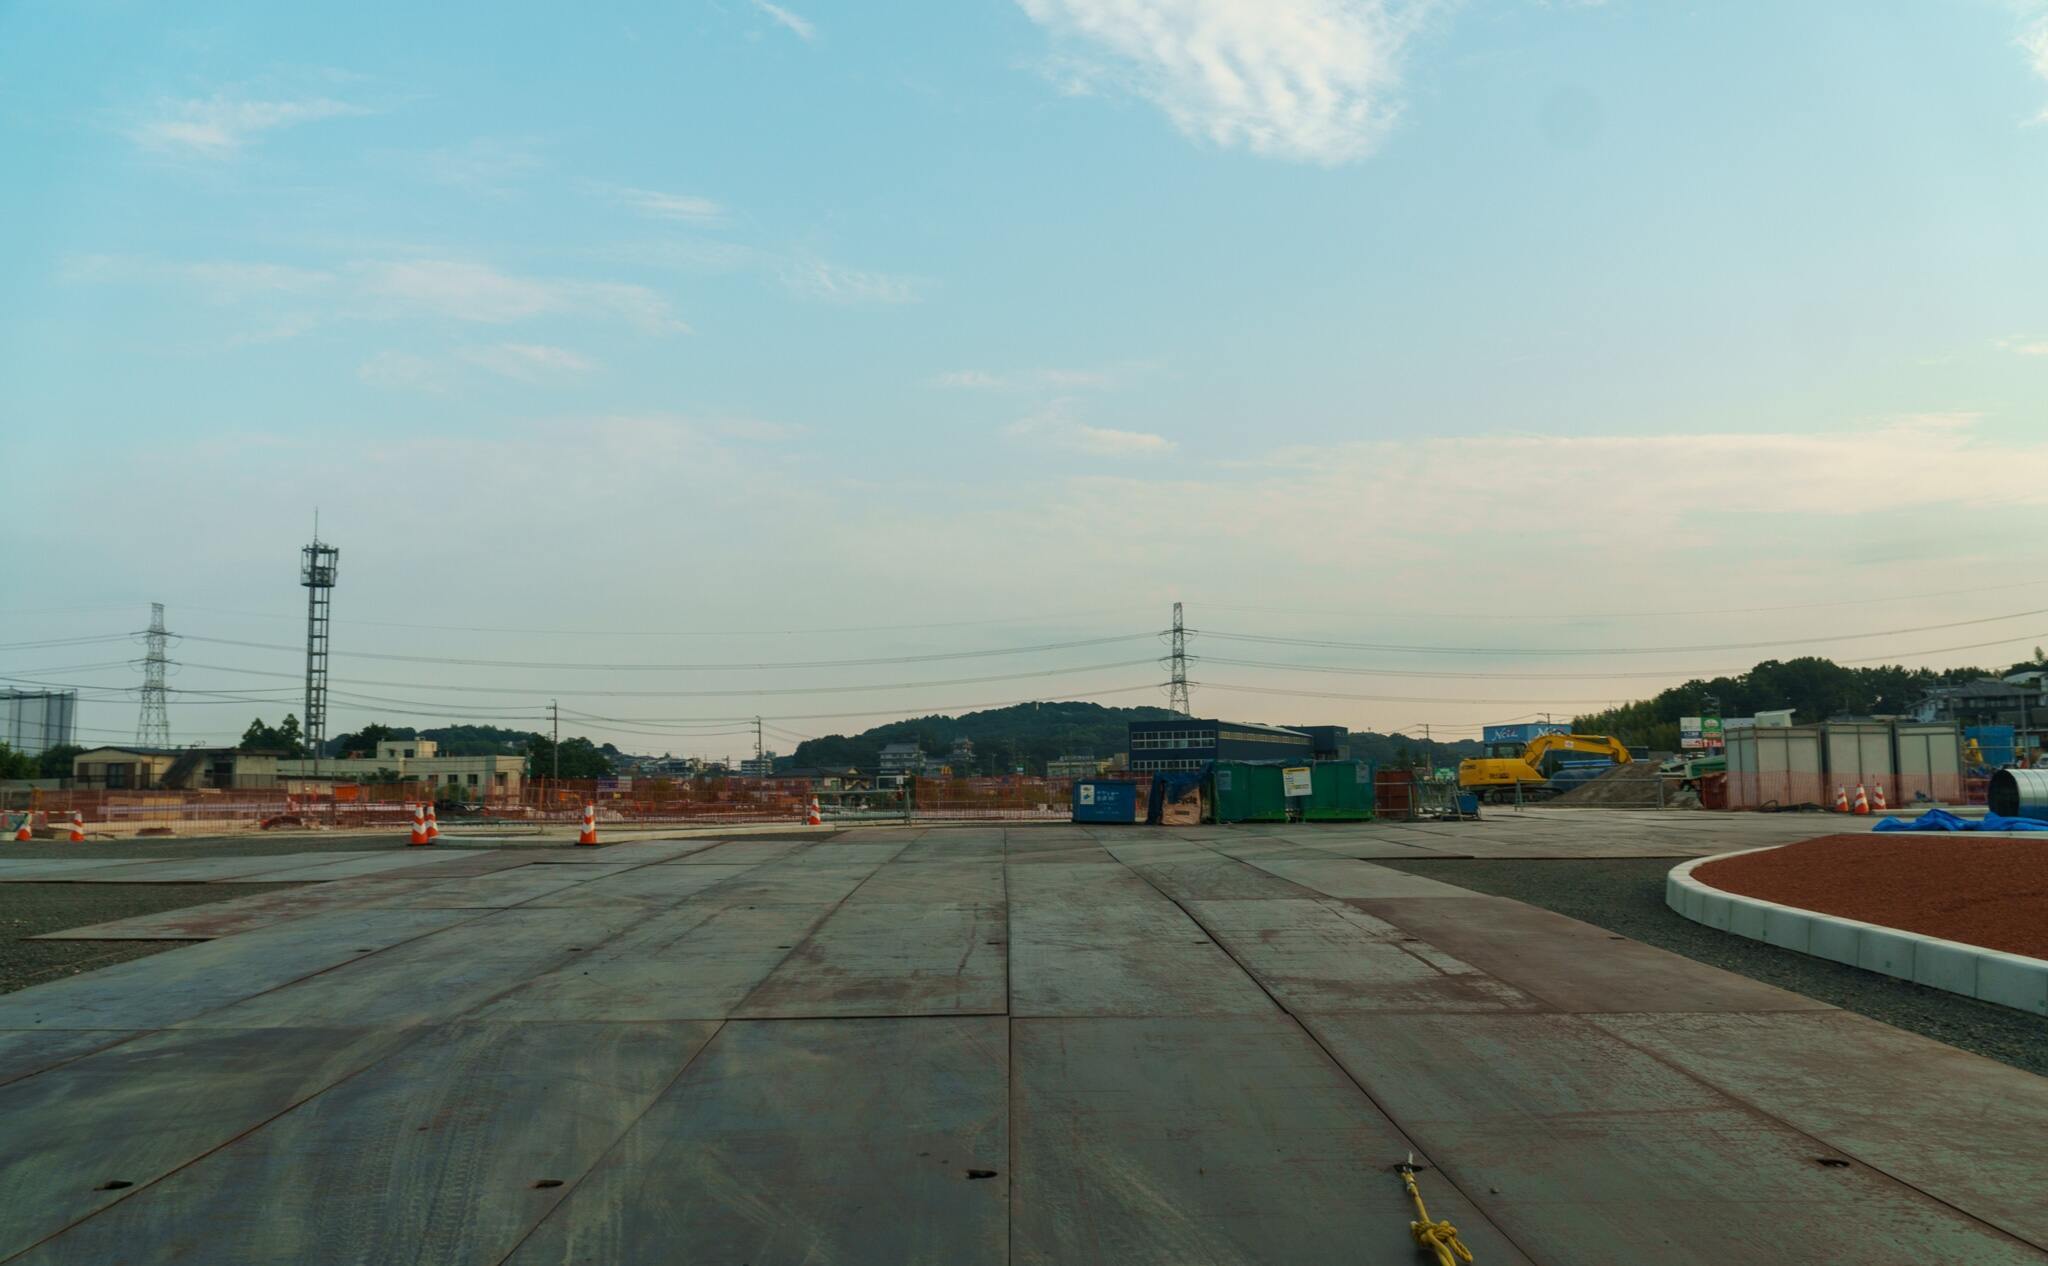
(2020, 793)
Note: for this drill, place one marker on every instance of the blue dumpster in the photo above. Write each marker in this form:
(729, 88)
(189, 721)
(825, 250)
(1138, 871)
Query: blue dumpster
(1105, 800)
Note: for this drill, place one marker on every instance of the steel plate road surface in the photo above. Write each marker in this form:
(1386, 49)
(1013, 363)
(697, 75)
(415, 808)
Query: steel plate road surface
(1059, 1044)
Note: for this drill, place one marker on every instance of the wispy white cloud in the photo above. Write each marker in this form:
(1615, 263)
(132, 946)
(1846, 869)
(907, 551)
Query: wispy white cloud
(1028, 379)
(2023, 347)
(220, 126)
(487, 164)
(832, 283)
(689, 208)
(402, 371)
(2033, 41)
(1057, 426)
(468, 291)
(527, 362)
(754, 430)
(220, 280)
(1309, 80)
(799, 27)
(459, 289)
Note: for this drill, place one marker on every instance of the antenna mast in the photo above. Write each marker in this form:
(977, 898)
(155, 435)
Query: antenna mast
(317, 566)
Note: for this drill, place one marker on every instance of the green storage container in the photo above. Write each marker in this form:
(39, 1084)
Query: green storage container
(1342, 792)
(1248, 793)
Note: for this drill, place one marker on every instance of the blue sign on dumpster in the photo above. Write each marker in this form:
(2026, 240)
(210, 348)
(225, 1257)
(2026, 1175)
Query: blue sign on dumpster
(1104, 800)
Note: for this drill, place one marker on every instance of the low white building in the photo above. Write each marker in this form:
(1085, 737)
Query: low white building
(478, 778)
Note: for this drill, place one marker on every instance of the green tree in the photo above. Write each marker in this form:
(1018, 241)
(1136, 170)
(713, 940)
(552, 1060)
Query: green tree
(284, 738)
(55, 762)
(580, 758)
(15, 764)
(364, 741)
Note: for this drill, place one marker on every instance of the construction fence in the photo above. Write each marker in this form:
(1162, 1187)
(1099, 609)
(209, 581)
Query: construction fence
(627, 802)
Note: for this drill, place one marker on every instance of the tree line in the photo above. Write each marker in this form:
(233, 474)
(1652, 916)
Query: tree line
(1813, 687)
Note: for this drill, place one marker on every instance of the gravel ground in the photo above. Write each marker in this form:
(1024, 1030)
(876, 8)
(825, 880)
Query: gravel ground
(33, 909)
(1627, 896)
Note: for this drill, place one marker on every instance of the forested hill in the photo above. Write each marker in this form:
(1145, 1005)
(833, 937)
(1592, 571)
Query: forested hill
(1034, 733)
(1816, 689)
(1027, 733)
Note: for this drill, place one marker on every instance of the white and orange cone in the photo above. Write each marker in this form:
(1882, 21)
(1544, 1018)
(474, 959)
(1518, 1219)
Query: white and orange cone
(433, 824)
(1841, 800)
(419, 827)
(814, 817)
(589, 835)
(1877, 801)
(77, 827)
(22, 834)
(1862, 801)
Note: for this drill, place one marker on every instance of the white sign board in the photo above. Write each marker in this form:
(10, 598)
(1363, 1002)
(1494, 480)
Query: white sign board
(1690, 734)
(1297, 781)
(1087, 792)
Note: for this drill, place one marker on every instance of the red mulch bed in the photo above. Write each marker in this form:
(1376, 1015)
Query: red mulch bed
(1989, 892)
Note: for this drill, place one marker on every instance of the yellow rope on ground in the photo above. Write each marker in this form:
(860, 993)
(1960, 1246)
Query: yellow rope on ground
(1438, 1236)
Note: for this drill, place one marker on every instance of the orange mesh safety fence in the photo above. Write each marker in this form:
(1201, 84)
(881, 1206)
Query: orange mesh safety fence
(1008, 799)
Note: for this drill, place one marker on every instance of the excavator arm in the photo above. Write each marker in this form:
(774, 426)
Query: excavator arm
(1505, 773)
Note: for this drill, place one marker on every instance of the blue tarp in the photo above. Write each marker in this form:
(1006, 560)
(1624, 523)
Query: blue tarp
(1942, 820)
(1172, 785)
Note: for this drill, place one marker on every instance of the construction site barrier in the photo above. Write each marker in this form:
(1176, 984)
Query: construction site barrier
(624, 802)
(1750, 789)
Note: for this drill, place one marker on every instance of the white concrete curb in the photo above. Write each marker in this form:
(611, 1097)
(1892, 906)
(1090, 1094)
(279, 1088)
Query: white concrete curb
(2010, 980)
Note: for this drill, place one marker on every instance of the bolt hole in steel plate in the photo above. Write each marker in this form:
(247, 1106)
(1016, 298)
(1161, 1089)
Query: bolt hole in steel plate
(543, 1183)
(114, 1184)
(974, 1174)
(1832, 1162)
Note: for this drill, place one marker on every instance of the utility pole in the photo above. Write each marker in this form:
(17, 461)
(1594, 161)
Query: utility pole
(757, 748)
(1177, 662)
(154, 727)
(555, 747)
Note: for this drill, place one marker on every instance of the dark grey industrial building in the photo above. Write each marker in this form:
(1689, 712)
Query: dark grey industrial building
(1190, 743)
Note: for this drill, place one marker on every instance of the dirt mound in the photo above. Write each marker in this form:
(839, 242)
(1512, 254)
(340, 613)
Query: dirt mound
(1992, 893)
(1630, 786)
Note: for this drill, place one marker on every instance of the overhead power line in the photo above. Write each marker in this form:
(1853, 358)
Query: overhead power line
(850, 628)
(1502, 616)
(580, 666)
(1265, 639)
(1328, 694)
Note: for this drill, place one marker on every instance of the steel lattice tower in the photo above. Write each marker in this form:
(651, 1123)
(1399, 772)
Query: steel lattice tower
(154, 728)
(317, 567)
(1177, 662)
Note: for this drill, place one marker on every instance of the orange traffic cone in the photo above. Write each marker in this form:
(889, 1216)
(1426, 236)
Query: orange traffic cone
(814, 817)
(433, 824)
(419, 827)
(1862, 801)
(77, 827)
(1841, 800)
(1877, 801)
(589, 835)
(22, 834)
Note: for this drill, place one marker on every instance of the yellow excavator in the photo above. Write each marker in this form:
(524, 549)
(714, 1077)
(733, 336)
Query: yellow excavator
(1496, 777)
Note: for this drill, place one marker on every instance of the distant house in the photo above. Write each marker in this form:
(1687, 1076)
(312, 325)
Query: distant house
(2015, 700)
(898, 761)
(1080, 765)
(172, 769)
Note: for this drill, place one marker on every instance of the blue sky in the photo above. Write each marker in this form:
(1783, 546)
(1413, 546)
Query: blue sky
(1421, 323)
